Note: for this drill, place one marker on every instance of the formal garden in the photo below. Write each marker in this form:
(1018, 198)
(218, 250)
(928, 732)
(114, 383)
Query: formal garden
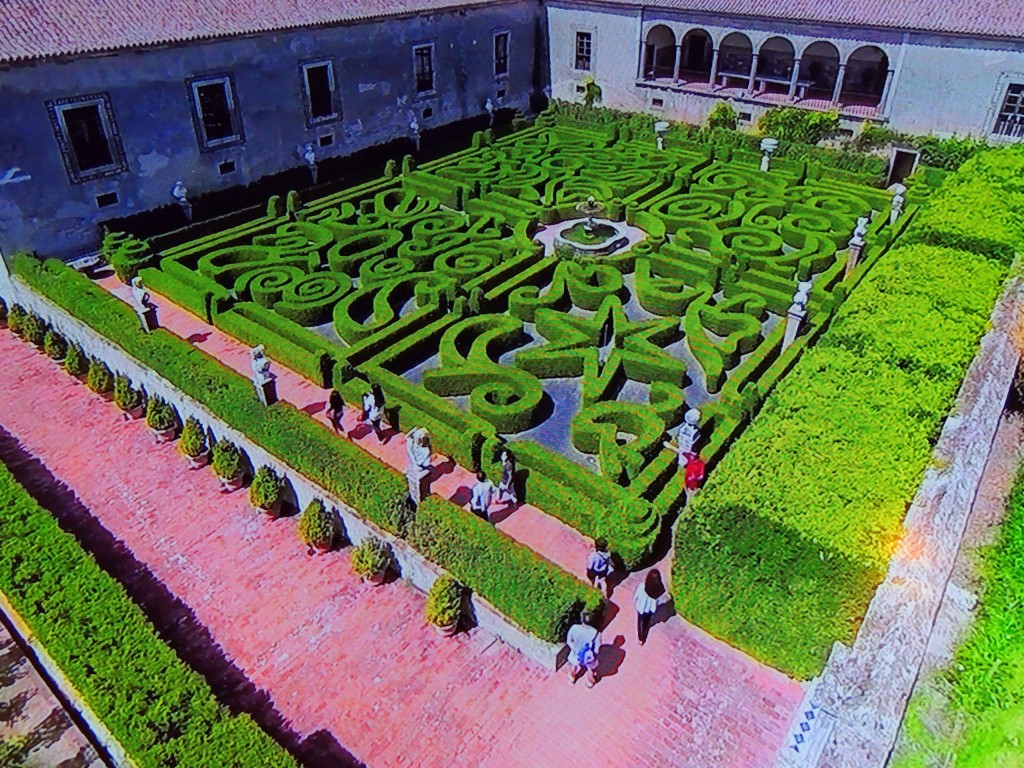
(481, 294)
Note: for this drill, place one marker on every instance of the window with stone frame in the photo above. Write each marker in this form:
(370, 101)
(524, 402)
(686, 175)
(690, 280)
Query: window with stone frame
(1010, 119)
(423, 68)
(501, 54)
(215, 111)
(87, 135)
(584, 50)
(320, 92)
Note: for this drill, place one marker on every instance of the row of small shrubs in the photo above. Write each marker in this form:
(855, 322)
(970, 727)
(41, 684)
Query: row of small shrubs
(358, 479)
(948, 154)
(782, 551)
(162, 712)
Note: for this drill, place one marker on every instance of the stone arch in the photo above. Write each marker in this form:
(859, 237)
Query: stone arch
(819, 69)
(865, 76)
(735, 53)
(659, 52)
(696, 51)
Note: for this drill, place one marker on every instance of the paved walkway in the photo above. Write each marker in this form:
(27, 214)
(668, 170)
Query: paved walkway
(29, 711)
(542, 533)
(335, 661)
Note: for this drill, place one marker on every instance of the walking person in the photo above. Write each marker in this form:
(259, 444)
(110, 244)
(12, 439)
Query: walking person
(336, 411)
(507, 486)
(694, 476)
(482, 496)
(599, 566)
(647, 598)
(584, 641)
(373, 410)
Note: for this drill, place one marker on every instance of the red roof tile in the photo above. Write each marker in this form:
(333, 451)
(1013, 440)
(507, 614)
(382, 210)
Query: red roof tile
(985, 18)
(31, 29)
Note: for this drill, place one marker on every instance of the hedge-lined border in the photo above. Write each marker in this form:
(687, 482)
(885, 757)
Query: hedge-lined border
(112, 654)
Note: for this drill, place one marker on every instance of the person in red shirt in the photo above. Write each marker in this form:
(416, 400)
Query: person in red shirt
(694, 472)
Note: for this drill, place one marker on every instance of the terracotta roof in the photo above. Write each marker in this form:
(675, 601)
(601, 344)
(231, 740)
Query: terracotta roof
(984, 18)
(31, 29)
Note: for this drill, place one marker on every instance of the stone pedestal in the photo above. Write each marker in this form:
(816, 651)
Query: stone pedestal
(147, 319)
(266, 390)
(416, 478)
(766, 162)
(853, 258)
(794, 320)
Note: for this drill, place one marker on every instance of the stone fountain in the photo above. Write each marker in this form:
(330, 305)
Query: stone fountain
(590, 235)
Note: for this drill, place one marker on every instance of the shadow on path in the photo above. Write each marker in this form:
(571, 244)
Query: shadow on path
(175, 622)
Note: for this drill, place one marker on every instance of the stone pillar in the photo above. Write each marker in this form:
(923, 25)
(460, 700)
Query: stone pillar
(883, 102)
(678, 64)
(795, 76)
(266, 390)
(856, 248)
(640, 74)
(753, 73)
(714, 66)
(838, 89)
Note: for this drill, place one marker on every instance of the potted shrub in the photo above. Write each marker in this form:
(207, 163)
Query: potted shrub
(33, 330)
(15, 317)
(371, 560)
(129, 400)
(227, 465)
(444, 605)
(161, 418)
(265, 491)
(99, 378)
(316, 527)
(55, 346)
(75, 361)
(193, 443)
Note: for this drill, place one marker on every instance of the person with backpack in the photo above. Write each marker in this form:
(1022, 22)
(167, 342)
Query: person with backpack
(584, 641)
(482, 496)
(599, 566)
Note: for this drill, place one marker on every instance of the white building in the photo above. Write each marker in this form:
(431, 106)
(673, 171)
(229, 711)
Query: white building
(919, 66)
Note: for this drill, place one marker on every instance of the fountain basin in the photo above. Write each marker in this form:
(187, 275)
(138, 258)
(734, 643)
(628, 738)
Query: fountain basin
(600, 237)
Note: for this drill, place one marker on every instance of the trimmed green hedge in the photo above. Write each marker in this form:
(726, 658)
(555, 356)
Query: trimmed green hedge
(354, 476)
(162, 712)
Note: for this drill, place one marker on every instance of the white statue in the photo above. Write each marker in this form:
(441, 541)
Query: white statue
(686, 438)
(414, 129)
(260, 365)
(417, 450)
(768, 147)
(491, 110)
(310, 157)
(803, 294)
(862, 227)
(897, 208)
(140, 296)
(180, 193)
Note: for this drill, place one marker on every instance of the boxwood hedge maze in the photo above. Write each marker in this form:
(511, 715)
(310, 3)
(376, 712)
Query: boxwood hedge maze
(433, 283)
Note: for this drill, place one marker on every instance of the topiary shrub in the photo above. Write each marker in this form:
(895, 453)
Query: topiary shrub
(227, 460)
(160, 416)
(444, 602)
(193, 439)
(99, 379)
(55, 346)
(33, 329)
(400, 515)
(722, 115)
(127, 398)
(15, 318)
(125, 254)
(75, 361)
(800, 125)
(265, 491)
(316, 527)
(371, 558)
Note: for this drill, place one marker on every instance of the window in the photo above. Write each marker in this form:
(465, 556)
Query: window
(215, 112)
(319, 93)
(228, 166)
(106, 200)
(87, 136)
(501, 54)
(584, 50)
(423, 67)
(1010, 120)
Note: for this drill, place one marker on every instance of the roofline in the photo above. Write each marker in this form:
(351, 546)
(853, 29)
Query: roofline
(170, 42)
(646, 7)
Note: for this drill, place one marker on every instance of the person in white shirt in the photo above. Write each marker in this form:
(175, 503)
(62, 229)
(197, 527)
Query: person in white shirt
(417, 450)
(584, 642)
(647, 598)
(599, 566)
(507, 486)
(373, 410)
(482, 497)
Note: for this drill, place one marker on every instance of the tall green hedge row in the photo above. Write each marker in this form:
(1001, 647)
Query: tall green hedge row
(782, 551)
(162, 713)
(354, 476)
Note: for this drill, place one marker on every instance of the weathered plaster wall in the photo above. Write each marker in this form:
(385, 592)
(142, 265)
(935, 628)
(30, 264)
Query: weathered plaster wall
(374, 73)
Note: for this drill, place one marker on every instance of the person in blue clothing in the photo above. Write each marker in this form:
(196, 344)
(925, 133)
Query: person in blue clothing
(599, 566)
(584, 641)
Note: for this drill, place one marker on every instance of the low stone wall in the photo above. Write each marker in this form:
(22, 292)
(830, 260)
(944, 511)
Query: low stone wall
(852, 713)
(412, 566)
(117, 754)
